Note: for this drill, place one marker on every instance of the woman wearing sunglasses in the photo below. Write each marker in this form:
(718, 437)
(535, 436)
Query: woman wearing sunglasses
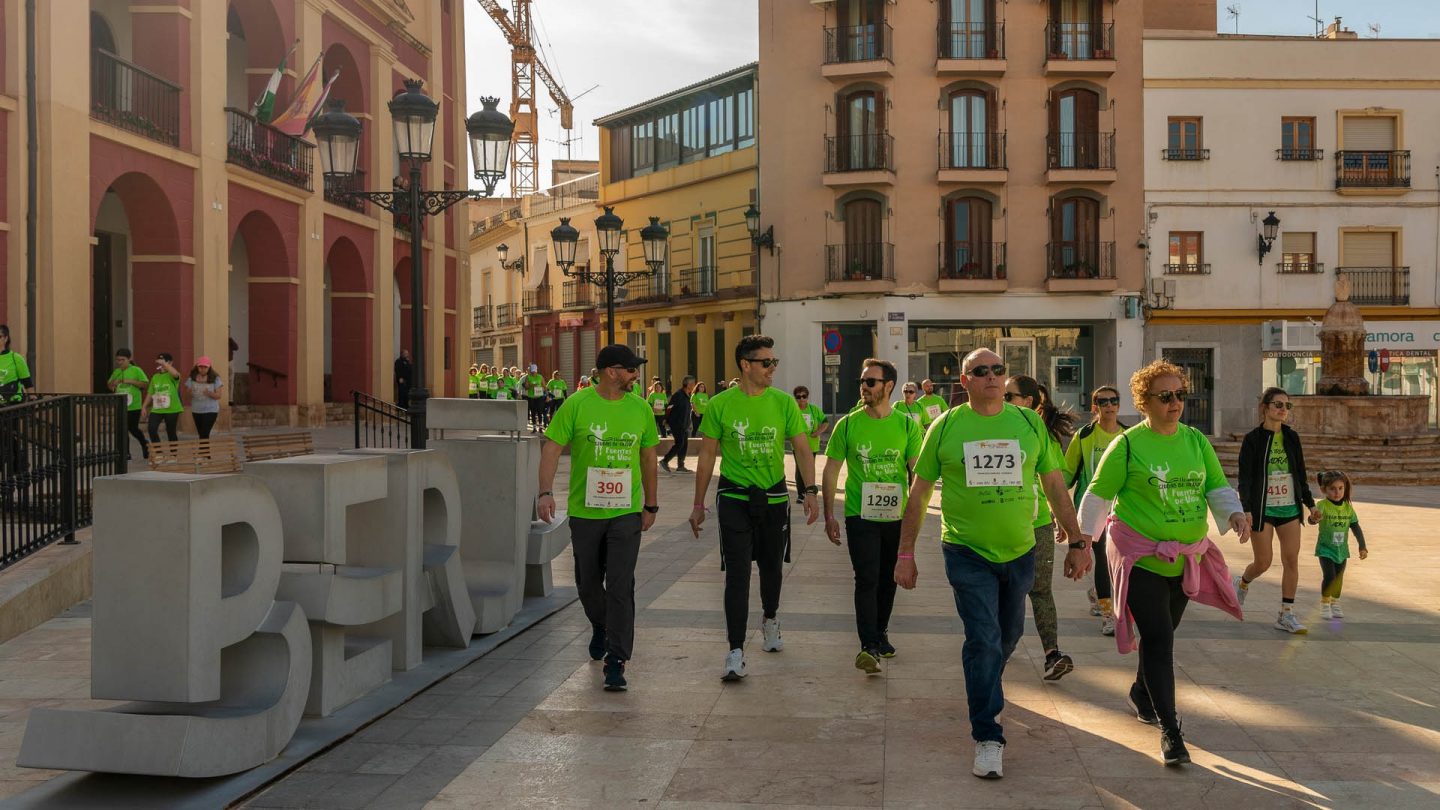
(1150, 495)
(1273, 485)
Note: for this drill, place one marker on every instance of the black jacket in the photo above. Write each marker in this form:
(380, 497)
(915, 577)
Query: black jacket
(1254, 456)
(678, 412)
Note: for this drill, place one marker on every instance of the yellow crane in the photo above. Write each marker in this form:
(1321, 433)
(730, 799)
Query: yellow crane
(525, 65)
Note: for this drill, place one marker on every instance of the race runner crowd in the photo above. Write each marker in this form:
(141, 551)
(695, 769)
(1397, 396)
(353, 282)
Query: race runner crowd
(1129, 507)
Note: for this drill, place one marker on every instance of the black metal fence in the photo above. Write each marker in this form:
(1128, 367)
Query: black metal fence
(1079, 40)
(1080, 260)
(1378, 286)
(858, 43)
(1081, 150)
(873, 151)
(379, 423)
(335, 188)
(52, 447)
(860, 261)
(972, 40)
(1372, 169)
(134, 99)
(266, 150)
(972, 150)
(972, 261)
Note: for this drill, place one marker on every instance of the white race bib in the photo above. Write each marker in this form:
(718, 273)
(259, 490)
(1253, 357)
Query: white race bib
(559, 393)
(608, 488)
(1278, 490)
(129, 398)
(806, 416)
(160, 402)
(914, 416)
(659, 407)
(474, 387)
(933, 411)
(994, 463)
(879, 501)
(502, 394)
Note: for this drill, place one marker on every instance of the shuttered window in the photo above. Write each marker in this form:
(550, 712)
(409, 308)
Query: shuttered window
(1369, 250)
(568, 373)
(1297, 242)
(1369, 134)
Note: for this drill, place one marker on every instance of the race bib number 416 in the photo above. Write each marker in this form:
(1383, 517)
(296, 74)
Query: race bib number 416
(993, 463)
(608, 488)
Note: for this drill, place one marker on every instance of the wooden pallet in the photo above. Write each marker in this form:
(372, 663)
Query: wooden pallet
(265, 446)
(196, 456)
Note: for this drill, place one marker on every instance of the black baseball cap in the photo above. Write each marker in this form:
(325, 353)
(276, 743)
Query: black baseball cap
(618, 354)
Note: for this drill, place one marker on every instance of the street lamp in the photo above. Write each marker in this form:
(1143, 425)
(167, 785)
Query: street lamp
(502, 252)
(609, 227)
(1267, 239)
(413, 116)
(752, 224)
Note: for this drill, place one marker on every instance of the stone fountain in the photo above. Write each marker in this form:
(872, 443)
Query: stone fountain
(1342, 404)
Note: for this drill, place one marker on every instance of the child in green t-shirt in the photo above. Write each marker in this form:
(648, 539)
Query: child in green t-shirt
(1332, 547)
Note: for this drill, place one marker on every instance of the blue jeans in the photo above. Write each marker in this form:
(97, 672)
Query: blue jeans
(990, 598)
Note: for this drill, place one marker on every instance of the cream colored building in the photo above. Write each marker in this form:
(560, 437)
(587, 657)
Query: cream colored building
(1338, 137)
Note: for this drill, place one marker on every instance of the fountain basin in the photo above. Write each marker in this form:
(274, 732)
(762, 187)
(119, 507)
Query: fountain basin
(1379, 415)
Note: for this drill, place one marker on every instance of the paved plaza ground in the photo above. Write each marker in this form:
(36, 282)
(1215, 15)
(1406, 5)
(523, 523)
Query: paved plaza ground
(1347, 716)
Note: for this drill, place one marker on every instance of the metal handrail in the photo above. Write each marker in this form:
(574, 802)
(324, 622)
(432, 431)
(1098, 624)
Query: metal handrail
(379, 423)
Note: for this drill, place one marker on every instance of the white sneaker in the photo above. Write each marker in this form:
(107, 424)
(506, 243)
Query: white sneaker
(734, 665)
(770, 628)
(1239, 591)
(1335, 611)
(1094, 602)
(1107, 625)
(1286, 621)
(1326, 612)
(988, 756)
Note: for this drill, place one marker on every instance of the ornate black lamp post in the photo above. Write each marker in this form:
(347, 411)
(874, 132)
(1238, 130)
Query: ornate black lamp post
(413, 115)
(609, 227)
(1271, 226)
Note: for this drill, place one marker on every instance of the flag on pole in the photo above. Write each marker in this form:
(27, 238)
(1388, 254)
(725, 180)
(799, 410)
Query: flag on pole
(264, 106)
(308, 94)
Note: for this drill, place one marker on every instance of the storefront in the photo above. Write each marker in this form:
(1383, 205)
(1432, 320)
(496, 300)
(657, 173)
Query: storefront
(1061, 356)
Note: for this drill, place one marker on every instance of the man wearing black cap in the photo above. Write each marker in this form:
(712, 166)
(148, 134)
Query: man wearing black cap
(612, 442)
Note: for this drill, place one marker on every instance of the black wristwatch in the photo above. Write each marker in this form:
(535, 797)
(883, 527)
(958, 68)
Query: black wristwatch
(812, 490)
(1078, 544)
(652, 509)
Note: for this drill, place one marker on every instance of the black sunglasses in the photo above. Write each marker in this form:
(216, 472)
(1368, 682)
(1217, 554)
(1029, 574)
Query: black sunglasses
(1102, 401)
(1009, 396)
(802, 396)
(1167, 397)
(985, 371)
(767, 362)
(1286, 404)
(871, 382)
(631, 369)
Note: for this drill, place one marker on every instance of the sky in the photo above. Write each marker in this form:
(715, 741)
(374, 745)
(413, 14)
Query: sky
(1396, 18)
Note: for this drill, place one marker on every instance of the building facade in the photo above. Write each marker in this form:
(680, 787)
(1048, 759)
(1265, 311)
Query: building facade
(931, 194)
(1321, 133)
(170, 219)
(688, 159)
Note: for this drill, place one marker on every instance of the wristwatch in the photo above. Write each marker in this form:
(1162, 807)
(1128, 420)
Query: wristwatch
(812, 490)
(1079, 544)
(652, 509)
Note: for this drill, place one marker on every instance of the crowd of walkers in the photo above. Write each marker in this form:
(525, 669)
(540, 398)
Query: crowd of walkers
(1017, 477)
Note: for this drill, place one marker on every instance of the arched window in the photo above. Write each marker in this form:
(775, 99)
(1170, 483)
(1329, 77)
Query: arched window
(972, 142)
(860, 130)
(1075, 238)
(969, 253)
(1075, 129)
(864, 251)
(101, 37)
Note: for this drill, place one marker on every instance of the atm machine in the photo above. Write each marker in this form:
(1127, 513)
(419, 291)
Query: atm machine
(1067, 383)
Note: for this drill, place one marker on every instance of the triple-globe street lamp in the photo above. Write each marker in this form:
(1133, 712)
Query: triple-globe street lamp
(413, 116)
(609, 227)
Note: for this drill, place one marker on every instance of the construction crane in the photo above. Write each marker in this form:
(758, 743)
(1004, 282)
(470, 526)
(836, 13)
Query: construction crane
(525, 65)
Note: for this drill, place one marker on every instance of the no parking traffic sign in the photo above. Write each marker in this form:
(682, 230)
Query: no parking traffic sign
(831, 340)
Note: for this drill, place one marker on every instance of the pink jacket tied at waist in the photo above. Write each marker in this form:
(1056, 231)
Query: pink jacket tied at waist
(1206, 579)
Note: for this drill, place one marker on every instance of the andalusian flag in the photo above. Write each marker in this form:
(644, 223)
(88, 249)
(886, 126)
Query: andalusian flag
(265, 104)
(309, 95)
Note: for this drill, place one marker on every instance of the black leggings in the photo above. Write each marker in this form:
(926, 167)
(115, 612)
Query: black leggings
(679, 447)
(1102, 567)
(660, 425)
(1156, 603)
(760, 537)
(694, 424)
(204, 422)
(170, 420)
(873, 548)
(132, 424)
(1332, 577)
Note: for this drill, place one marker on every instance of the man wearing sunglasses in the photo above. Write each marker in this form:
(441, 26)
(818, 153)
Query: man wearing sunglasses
(747, 425)
(1081, 459)
(612, 440)
(988, 453)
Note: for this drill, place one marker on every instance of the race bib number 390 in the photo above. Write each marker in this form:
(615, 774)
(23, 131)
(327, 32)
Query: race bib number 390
(608, 488)
(993, 463)
(879, 501)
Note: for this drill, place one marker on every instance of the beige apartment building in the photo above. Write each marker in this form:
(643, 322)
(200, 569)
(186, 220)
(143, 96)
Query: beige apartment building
(942, 176)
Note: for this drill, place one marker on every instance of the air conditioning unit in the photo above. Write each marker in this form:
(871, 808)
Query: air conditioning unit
(1290, 336)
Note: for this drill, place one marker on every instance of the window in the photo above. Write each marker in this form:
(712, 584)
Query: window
(1075, 141)
(1077, 30)
(1369, 156)
(1185, 253)
(642, 138)
(1297, 139)
(859, 127)
(692, 125)
(712, 123)
(667, 141)
(968, 252)
(967, 30)
(1075, 250)
(1297, 253)
(703, 274)
(1183, 140)
(864, 249)
(744, 119)
(722, 125)
(858, 37)
(970, 144)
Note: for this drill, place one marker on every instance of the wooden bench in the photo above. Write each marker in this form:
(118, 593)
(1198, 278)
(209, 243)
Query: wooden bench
(196, 456)
(263, 446)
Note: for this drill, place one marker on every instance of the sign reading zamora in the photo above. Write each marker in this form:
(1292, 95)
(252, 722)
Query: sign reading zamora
(245, 601)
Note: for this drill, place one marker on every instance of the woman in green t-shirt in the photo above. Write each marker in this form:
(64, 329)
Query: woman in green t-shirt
(162, 399)
(910, 405)
(129, 381)
(658, 400)
(698, 402)
(14, 372)
(816, 423)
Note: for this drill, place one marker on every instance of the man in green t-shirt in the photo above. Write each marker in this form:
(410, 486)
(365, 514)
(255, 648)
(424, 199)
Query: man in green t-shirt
(611, 439)
(816, 423)
(747, 425)
(475, 381)
(1082, 458)
(162, 399)
(932, 404)
(988, 452)
(555, 391)
(130, 382)
(532, 388)
(877, 447)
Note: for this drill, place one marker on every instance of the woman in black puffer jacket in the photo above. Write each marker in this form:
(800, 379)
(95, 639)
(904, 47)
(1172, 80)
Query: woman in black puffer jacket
(1273, 489)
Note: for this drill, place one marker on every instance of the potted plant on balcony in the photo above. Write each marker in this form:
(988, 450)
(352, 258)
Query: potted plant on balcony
(857, 271)
(1080, 269)
(970, 270)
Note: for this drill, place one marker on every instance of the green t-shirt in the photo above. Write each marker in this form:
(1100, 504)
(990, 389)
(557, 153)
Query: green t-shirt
(602, 434)
(557, 388)
(874, 451)
(491, 383)
(915, 411)
(932, 406)
(657, 402)
(507, 387)
(1278, 464)
(699, 401)
(134, 397)
(1335, 522)
(1161, 492)
(477, 384)
(752, 433)
(13, 368)
(165, 394)
(1083, 456)
(964, 448)
(1042, 504)
(813, 417)
(534, 385)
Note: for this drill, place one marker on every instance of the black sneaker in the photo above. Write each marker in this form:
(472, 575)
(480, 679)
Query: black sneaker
(597, 644)
(885, 648)
(1057, 665)
(1144, 709)
(615, 675)
(1172, 747)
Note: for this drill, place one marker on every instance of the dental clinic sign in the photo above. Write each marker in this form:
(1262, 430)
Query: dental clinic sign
(1420, 335)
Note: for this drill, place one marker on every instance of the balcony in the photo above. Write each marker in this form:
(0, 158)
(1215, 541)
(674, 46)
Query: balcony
(695, 282)
(1299, 268)
(537, 300)
(861, 266)
(1080, 157)
(1080, 267)
(267, 151)
(972, 267)
(859, 160)
(974, 48)
(1372, 171)
(356, 182)
(1079, 49)
(1187, 269)
(507, 315)
(577, 294)
(134, 99)
(482, 319)
(652, 289)
(857, 51)
(1303, 154)
(972, 157)
(1184, 154)
(1378, 286)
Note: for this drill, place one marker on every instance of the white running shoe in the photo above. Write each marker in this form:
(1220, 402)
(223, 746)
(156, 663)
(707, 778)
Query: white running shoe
(1107, 625)
(770, 628)
(988, 759)
(1287, 622)
(665, 465)
(1239, 591)
(1094, 602)
(1325, 611)
(1335, 611)
(734, 665)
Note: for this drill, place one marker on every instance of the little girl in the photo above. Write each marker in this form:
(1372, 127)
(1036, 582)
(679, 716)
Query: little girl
(1337, 520)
